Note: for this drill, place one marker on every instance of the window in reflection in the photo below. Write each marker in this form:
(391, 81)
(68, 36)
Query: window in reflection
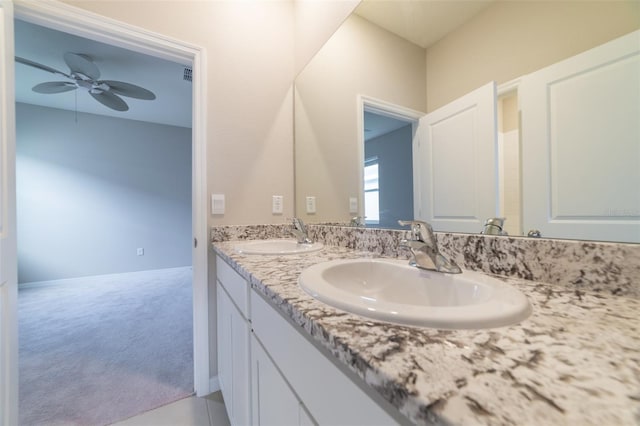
(371, 192)
(388, 143)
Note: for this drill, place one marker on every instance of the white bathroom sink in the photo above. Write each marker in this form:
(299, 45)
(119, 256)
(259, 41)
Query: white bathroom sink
(276, 246)
(391, 290)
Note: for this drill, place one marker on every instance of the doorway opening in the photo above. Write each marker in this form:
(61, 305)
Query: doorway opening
(387, 162)
(508, 162)
(388, 170)
(74, 21)
(104, 218)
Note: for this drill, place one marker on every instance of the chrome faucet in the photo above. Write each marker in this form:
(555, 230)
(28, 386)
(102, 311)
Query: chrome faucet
(357, 221)
(493, 226)
(424, 248)
(300, 231)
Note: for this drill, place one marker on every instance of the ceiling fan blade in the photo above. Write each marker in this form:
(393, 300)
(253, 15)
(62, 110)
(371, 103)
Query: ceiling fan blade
(110, 100)
(54, 87)
(79, 63)
(129, 90)
(40, 66)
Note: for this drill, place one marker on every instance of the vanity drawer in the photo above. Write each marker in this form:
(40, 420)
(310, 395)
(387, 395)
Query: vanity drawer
(236, 286)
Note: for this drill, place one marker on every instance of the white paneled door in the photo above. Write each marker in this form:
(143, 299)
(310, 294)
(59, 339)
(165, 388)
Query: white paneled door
(581, 144)
(458, 174)
(8, 262)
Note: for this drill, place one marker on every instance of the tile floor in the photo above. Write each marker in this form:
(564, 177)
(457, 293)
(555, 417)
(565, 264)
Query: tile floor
(192, 411)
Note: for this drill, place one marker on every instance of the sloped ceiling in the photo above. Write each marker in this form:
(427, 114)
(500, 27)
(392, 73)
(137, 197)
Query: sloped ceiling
(422, 22)
(46, 46)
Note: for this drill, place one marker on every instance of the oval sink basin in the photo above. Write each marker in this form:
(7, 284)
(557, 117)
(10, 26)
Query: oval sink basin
(391, 290)
(276, 247)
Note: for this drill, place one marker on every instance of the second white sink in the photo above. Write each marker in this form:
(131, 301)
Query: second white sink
(276, 247)
(391, 290)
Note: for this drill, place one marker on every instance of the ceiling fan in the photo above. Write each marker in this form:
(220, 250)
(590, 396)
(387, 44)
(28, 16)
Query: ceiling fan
(83, 73)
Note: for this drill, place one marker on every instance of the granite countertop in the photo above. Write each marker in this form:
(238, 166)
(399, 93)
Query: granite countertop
(575, 360)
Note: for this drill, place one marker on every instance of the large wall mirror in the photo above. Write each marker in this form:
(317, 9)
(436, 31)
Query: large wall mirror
(360, 102)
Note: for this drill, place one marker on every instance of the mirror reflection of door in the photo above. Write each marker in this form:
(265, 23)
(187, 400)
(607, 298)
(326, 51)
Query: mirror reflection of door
(388, 170)
(458, 176)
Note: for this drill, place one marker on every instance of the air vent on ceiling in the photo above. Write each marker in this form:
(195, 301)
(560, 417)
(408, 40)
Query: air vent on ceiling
(188, 74)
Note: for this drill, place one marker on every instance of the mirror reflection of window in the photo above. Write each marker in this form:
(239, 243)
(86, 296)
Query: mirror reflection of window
(388, 142)
(371, 191)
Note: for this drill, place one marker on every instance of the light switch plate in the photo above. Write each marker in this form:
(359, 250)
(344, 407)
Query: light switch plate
(217, 204)
(277, 202)
(311, 205)
(353, 205)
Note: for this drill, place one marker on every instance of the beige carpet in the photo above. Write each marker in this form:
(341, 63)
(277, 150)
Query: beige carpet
(101, 349)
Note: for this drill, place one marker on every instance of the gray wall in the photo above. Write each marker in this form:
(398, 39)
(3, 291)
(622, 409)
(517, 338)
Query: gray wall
(89, 193)
(395, 174)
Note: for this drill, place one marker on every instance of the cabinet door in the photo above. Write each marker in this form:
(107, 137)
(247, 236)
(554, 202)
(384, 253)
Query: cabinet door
(224, 345)
(240, 367)
(273, 401)
(305, 417)
(233, 359)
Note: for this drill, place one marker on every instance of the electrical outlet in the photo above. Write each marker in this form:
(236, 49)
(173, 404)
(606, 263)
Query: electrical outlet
(140, 252)
(277, 204)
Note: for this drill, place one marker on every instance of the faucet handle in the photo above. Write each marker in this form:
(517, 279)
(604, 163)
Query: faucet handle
(494, 226)
(420, 231)
(357, 221)
(298, 223)
(300, 231)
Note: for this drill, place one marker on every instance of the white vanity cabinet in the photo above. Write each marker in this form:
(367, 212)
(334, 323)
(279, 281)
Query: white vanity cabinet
(234, 333)
(274, 402)
(323, 389)
(271, 373)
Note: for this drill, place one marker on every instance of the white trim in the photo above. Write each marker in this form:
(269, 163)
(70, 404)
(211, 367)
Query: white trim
(509, 87)
(199, 211)
(214, 384)
(90, 278)
(388, 109)
(8, 246)
(63, 17)
(380, 107)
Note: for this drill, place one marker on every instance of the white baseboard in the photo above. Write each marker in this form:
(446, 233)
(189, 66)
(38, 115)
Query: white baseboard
(85, 279)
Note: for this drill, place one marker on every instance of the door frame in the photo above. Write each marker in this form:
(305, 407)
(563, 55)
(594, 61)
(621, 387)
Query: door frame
(387, 109)
(8, 246)
(63, 17)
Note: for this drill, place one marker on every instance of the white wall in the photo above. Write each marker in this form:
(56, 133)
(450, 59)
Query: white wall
(250, 62)
(89, 193)
(314, 22)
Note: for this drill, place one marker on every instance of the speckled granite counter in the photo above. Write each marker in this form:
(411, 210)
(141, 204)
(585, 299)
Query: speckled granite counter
(575, 360)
